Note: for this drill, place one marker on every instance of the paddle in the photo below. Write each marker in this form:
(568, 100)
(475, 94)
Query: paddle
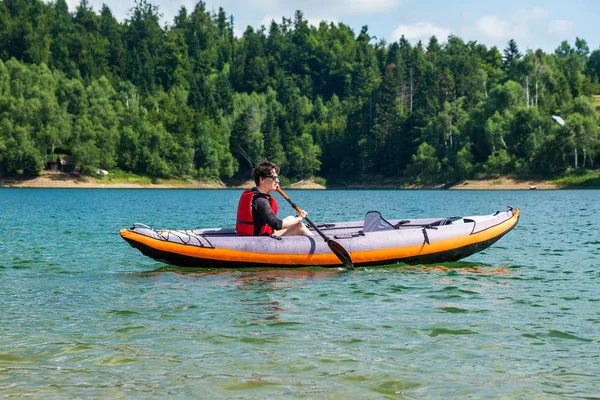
(335, 247)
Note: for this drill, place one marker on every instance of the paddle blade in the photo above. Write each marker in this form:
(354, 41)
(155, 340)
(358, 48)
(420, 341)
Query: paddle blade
(341, 253)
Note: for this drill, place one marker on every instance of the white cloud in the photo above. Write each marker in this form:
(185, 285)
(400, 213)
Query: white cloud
(266, 21)
(368, 6)
(493, 27)
(268, 4)
(527, 15)
(518, 25)
(72, 4)
(420, 31)
(560, 27)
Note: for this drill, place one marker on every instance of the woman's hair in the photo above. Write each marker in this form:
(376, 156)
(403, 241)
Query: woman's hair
(263, 169)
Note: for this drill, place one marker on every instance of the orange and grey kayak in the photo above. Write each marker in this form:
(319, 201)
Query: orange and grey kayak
(372, 241)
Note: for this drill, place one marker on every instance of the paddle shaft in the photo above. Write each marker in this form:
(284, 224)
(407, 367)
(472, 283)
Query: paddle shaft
(334, 246)
(295, 207)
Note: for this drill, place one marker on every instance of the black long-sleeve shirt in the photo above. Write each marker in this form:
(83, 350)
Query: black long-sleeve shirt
(262, 213)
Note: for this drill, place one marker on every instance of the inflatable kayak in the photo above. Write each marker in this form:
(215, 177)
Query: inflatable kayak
(373, 241)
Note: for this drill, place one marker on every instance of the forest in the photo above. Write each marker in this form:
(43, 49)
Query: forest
(190, 99)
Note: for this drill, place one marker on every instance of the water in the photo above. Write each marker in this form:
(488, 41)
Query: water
(84, 315)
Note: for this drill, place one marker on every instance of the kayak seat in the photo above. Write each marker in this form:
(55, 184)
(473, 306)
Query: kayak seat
(374, 222)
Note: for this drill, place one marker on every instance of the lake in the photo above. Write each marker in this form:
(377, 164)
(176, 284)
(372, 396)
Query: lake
(84, 315)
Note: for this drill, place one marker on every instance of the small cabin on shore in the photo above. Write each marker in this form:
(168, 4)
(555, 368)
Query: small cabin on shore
(62, 164)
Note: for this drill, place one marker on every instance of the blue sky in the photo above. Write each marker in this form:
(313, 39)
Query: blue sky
(532, 23)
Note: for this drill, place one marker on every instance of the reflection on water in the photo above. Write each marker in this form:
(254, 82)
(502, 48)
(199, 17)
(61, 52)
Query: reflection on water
(250, 273)
(259, 274)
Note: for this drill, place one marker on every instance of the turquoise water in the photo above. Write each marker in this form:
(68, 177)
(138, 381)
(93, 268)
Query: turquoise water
(84, 315)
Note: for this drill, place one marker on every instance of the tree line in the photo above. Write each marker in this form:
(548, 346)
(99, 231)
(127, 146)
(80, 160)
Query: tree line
(190, 99)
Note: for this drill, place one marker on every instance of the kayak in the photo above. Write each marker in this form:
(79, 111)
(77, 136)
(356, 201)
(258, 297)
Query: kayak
(370, 242)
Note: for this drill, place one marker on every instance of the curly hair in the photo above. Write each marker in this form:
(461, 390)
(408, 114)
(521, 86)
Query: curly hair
(263, 169)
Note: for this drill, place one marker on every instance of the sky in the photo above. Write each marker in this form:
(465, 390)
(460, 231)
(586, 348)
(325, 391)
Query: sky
(532, 23)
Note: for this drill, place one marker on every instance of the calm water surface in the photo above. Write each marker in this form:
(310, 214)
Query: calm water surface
(84, 315)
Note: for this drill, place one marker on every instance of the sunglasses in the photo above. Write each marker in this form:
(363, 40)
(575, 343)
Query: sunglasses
(272, 177)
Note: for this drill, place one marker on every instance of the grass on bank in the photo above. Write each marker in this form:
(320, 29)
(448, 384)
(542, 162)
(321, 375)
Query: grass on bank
(117, 176)
(121, 177)
(572, 180)
(579, 180)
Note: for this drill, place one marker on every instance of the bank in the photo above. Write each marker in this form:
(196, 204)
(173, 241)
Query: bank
(51, 179)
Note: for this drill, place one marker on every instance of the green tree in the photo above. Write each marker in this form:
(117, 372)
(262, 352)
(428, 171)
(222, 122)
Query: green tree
(110, 29)
(424, 163)
(496, 128)
(389, 116)
(499, 162)
(173, 66)
(17, 153)
(512, 58)
(143, 42)
(582, 126)
(305, 156)
(526, 135)
(273, 147)
(246, 136)
(61, 30)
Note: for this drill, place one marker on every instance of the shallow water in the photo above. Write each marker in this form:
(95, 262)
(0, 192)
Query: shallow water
(85, 315)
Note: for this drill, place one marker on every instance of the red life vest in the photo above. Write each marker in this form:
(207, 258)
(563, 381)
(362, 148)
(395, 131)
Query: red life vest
(244, 225)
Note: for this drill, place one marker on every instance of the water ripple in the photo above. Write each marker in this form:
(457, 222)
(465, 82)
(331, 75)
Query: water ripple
(86, 316)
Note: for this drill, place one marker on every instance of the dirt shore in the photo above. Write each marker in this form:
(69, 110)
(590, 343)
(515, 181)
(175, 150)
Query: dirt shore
(49, 179)
(503, 184)
(59, 180)
(303, 184)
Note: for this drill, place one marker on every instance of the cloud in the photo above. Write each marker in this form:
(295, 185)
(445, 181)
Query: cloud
(266, 21)
(72, 4)
(268, 4)
(560, 27)
(368, 6)
(518, 25)
(493, 27)
(528, 15)
(420, 31)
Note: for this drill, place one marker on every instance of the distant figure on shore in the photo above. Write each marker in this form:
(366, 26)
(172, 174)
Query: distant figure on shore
(257, 209)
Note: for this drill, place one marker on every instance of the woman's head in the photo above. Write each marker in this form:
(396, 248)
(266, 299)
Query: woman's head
(266, 170)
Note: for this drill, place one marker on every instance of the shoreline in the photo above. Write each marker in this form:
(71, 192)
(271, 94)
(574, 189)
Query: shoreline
(60, 180)
(505, 184)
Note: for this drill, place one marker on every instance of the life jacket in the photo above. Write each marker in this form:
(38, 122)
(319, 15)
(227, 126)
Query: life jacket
(244, 225)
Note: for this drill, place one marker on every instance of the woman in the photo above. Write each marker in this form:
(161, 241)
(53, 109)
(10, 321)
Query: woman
(257, 209)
